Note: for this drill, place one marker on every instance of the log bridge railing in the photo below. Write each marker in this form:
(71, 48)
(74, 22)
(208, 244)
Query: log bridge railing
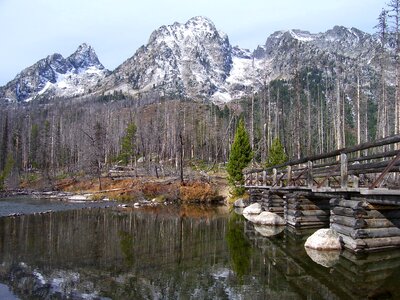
(368, 168)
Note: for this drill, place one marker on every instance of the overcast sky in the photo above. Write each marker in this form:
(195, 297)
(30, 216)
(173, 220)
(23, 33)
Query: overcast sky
(32, 29)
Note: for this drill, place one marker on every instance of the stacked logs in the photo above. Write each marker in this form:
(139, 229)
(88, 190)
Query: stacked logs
(257, 195)
(273, 202)
(306, 212)
(364, 227)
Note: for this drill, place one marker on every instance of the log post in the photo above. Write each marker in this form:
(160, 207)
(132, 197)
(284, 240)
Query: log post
(274, 176)
(264, 178)
(289, 175)
(343, 171)
(310, 179)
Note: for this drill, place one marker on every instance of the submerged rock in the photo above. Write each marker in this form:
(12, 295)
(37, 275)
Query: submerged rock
(253, 209)
(324, 239)
(269, 218)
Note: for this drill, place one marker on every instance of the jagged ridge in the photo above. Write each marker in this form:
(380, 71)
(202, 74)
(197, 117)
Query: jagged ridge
(197, 61)
(57, 76)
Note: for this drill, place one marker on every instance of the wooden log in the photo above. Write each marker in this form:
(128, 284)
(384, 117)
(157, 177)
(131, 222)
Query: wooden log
(275, 209)
(378, 243)
(299, 200)
(299, 206)
(348, 212)
(343, 171)
(304, 213)
(381, 223)
(348, 203)
(321, 219)
(375, 214)
(394, 202)
(366, 232)
(306, 224)
(376, 233)
(349, 221)
(352, 244)
(346, 230)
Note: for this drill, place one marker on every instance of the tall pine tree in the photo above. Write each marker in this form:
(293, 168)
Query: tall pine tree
(241, 155)
(128, 144)
(276, 154)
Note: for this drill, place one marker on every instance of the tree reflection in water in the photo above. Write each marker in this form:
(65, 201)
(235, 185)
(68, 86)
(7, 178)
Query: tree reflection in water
(240, 250)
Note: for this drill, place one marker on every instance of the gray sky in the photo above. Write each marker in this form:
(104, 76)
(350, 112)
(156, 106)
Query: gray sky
(32, 29)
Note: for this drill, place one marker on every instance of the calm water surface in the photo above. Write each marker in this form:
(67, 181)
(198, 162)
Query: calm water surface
(176, 253)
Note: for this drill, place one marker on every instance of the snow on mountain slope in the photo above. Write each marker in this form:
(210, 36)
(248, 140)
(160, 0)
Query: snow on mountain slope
(57, 76)
(187, 60)
(195, 60)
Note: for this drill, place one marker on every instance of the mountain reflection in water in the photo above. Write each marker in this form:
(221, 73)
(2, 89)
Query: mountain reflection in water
(176, 253)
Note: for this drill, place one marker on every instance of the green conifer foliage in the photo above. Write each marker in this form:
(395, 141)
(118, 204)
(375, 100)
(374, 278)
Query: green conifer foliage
(128, 144)
(6, 171)
(276, 154)
(241, 155)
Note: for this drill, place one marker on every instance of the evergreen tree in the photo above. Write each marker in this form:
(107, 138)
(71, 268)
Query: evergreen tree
(276, 154)
(128, 144)
(6, 171)
(241, 155)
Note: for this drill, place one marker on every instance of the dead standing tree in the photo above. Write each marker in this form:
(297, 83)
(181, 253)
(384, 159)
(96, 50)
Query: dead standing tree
(96, 154)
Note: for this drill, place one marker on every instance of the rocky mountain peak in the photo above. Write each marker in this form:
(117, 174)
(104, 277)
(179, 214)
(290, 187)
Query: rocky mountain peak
(196, 60)
(57, 76)
(85, 57)
(190, 59)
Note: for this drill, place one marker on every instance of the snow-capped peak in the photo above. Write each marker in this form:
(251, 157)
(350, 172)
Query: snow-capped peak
(85, 57)
(59, 76)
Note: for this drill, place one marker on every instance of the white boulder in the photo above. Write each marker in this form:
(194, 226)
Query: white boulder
(269, 218)
(324, 239)
(253, 209)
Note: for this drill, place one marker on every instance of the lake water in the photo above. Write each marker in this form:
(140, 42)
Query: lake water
(170, 252)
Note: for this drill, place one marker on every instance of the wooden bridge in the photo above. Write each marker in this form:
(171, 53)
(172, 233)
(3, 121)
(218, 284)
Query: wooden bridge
(355, 190)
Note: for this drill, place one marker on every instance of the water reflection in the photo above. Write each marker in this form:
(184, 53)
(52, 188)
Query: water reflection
(171, 253)
(239, 246)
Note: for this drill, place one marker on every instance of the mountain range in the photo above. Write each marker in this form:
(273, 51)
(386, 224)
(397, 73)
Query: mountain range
(195, 60)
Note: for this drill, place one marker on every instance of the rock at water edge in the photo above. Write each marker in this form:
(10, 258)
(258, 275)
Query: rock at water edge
(324, 239)
(253, 209)
(239, 203)
(269, 218)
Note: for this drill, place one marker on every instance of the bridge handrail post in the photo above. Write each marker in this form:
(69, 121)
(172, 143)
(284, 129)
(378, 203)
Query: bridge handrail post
(264, 178)
(289, 175)
(343, 171)
(274, 176)
(310, 178)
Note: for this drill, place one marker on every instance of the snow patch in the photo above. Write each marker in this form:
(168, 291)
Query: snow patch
(301, 36)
